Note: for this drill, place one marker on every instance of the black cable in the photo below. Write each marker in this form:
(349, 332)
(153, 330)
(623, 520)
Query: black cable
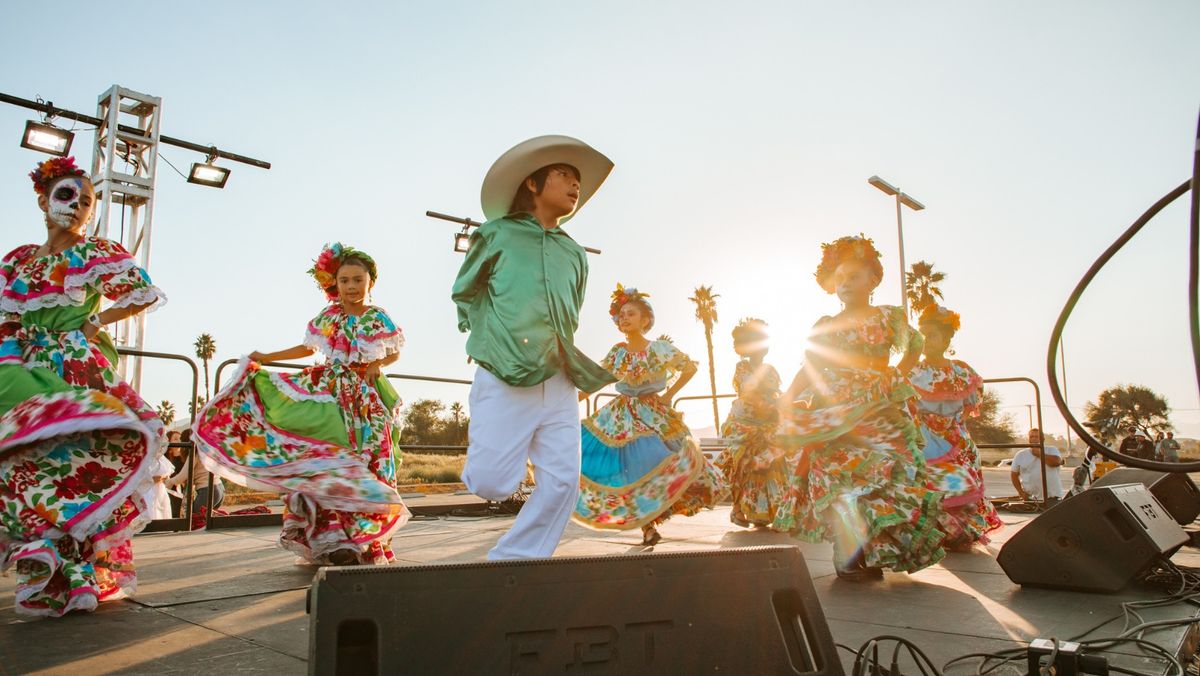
(1193, 315)
(177, 171)
(1194, 258)
(866, 659)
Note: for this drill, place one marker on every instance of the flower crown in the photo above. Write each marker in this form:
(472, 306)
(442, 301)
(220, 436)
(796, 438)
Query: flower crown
(325, 268)
(53, 168)
(939, 316)
(842, 249)
(750, 329)
(624, 295)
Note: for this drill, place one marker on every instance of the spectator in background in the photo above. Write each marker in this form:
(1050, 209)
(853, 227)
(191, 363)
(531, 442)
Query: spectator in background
(1135, 445)
(177, 456)
(1168, 448)
(1027, 470)
(200, 476)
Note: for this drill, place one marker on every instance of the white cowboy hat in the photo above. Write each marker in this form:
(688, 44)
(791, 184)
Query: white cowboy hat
(514, 166)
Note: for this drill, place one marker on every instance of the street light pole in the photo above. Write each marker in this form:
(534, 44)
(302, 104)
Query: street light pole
(902, 199)
(903, 267)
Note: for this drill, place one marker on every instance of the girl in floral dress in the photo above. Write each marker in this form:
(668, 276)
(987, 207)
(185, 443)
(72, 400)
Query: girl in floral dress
(640, 462)
(750, 461)
(857, 472)
(949, 391)
(77, 444)
(322, 436)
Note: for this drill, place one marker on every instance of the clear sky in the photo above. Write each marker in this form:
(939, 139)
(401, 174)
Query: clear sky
(743, 137)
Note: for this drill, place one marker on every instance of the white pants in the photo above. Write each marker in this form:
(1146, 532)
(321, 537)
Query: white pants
(509, 425)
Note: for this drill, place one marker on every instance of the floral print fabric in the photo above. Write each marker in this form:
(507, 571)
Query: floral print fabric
(855, 469)
(322, 436)
(751, 460)
(948, 395)
(77, 444)
(641, 439)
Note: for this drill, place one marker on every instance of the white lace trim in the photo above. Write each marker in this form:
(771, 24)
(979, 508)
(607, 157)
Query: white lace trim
(378, 349)
(362, 351)
(75, 290)
(296, 394)
(151, 295)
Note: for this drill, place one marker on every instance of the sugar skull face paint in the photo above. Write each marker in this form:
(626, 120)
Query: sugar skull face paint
(69, 203)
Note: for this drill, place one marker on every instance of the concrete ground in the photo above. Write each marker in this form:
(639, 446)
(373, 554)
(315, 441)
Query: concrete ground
(233, 602)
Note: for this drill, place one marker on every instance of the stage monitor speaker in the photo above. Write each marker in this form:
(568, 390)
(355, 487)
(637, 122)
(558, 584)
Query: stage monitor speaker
(1175, 490)
(749, 610)
(1095, 541)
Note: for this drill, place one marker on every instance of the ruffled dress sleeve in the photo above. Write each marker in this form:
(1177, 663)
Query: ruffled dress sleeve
(741, 373)
(377, 337)
(323, 334)
(905, 339)
(973, 395)
(668, 359)
(10, 321)
(613, 362)
(119, 278)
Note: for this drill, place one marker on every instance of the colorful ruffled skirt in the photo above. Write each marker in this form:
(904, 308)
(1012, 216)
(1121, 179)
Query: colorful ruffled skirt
(640, 465)
(77, 449)
(952, 465)
(856, 476)
(753, 469)
(323, 437)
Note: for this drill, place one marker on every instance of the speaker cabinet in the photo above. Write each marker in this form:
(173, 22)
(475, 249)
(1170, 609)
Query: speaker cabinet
(1175, 490)
(1096, 541)
(732, 611)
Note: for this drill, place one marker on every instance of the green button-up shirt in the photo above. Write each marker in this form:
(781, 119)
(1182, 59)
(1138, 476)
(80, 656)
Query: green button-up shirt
(518, 293)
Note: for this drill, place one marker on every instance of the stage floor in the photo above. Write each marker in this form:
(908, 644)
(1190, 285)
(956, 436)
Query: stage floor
(233, 602)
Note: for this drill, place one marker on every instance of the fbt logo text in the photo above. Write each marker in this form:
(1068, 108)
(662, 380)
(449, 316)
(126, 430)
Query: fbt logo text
(598, 648)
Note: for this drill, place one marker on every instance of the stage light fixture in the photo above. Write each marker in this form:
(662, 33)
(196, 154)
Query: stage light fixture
(205, 173)
(47, 138)
(462, 241)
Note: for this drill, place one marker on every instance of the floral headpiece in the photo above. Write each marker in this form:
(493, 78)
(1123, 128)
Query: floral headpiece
(749, 330)
(624, 295)
(50, 170)
(325, 268)
(939, 316)
(842, 249)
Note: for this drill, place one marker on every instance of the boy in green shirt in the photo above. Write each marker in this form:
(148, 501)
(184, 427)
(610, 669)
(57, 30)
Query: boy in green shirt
(518, 293)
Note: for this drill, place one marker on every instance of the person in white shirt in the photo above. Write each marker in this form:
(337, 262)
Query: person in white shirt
(1027, 470)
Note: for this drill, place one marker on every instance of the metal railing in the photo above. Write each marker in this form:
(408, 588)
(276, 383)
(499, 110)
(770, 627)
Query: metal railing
(184, 522)
(1042, 504)
(249, 520)
(1037, 395)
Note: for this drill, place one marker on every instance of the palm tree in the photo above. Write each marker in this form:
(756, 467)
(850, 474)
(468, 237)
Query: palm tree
(166, 412)
(206, 347)
(456, 412)
(706, 312)
(921, 286)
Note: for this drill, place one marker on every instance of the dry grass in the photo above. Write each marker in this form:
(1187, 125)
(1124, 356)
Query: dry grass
(429, 468)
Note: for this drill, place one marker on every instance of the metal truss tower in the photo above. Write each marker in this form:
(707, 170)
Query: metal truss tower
(123, 171)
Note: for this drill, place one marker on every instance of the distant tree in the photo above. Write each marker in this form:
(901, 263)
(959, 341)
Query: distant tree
(921, 286)
(1127, 408)
(423, 423)
(166, 412)
(990, 427)
(429, 422)
(206, 347)
(458, 424)
(194, 406)
(706, 313)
